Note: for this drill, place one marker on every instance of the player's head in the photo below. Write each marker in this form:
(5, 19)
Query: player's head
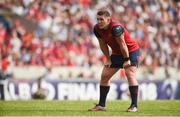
(103, 18)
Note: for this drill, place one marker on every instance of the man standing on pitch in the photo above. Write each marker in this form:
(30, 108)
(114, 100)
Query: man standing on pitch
(125, 53)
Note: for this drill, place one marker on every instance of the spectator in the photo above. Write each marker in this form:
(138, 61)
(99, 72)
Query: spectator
(63, 36)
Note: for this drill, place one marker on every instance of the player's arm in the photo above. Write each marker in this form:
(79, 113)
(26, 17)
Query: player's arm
(104, 47)
(118, 33)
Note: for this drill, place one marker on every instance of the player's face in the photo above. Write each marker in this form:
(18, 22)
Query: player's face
(102, 21)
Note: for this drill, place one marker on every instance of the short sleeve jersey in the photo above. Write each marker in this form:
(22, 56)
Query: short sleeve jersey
(108, 37)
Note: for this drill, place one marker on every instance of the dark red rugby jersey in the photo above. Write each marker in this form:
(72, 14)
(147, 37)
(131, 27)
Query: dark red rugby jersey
(107, 37)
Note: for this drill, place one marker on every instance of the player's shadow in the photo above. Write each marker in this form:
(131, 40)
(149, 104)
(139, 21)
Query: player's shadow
(76, 110)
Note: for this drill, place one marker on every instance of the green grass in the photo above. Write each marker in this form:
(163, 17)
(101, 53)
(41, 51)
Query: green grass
(79, 108)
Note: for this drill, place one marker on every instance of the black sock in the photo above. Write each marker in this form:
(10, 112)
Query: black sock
(134, 94)
(103, 94)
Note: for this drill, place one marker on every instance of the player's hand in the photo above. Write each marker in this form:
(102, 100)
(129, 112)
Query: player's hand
(107, 63)
(126, 64)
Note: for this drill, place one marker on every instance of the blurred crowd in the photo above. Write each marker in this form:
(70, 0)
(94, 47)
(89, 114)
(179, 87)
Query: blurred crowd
(62, 32)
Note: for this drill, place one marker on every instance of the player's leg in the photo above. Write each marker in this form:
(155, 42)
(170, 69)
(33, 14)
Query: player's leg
(133, 83)
(106, 75)
(133, 87)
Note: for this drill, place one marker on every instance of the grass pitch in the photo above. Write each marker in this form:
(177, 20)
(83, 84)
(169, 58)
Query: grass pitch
(79, 108)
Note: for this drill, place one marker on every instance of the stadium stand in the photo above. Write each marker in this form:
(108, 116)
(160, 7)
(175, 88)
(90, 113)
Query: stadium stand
(41, 35)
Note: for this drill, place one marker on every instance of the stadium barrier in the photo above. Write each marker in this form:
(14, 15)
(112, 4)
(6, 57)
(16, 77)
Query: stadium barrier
(88, 89)
(34, 72)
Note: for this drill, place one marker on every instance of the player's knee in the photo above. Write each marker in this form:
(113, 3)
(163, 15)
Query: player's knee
(130, 74)
(130, 78)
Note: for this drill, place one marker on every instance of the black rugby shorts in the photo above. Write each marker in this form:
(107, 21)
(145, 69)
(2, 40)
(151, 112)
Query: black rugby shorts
(118, 60)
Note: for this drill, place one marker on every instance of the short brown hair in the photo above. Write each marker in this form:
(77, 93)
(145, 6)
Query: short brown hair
(104, 12)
